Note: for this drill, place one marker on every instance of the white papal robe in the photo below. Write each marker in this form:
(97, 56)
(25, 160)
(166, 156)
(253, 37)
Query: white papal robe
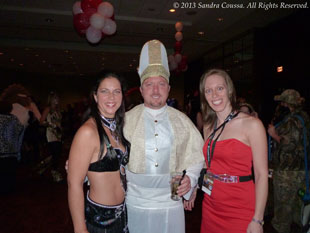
(150, 207)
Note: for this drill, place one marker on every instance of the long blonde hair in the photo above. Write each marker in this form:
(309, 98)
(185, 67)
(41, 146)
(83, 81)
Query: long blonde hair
(208, 115)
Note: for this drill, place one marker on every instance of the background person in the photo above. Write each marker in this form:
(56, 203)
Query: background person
(288, 161)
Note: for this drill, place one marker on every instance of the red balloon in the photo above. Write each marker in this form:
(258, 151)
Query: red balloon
(89, 12)
(81, 22)
(184, 59)
(87, 4)
(178, 46)
(94, 3)
(182, 65)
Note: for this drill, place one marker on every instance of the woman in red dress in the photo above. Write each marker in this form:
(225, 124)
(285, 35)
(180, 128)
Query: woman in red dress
(234, 201)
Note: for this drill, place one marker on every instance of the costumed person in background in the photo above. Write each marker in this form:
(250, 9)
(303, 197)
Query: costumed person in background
(163, 140)
(248, 108)
(233, 202)
(288, 161)
(15, 105)
(52, 119)
(100, 152)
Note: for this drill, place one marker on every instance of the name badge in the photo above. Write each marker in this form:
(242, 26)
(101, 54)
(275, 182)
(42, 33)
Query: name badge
(207, 185)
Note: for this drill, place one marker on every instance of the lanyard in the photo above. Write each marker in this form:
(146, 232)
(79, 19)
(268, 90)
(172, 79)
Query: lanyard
(221, 127)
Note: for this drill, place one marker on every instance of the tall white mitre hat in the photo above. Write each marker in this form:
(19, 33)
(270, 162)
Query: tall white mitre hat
(153, 61)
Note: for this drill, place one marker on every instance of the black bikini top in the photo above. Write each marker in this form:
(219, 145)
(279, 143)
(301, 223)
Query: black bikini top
(112, 160)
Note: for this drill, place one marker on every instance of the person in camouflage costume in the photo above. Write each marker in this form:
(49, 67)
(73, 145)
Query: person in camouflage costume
(288, 162)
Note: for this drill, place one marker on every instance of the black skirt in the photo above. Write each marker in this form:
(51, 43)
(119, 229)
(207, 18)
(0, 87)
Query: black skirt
(105, 219)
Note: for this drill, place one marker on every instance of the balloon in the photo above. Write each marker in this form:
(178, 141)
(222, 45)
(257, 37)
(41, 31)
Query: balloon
(178, 36)
(97, 21)
(184, 58)
(93, 35)
(109, 27)
(173, 65)
(85, 5)
(179, 26)
(171, 58)
(182, 65)
(80, 22)
(89, 12)
(106, 9)
(185, 69)
(76, 9)
(178, 46)
(177, 57)
(95, 3)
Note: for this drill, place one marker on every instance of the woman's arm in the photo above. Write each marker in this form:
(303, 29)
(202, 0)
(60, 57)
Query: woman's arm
(81, 152)
(258, 143)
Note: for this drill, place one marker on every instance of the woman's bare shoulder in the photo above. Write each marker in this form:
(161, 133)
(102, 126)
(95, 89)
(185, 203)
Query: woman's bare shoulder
(88, 130)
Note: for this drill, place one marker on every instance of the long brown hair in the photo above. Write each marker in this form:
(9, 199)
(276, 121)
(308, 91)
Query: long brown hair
(208, 115)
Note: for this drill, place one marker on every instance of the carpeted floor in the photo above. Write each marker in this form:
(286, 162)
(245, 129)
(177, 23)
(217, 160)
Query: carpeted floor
(39, 205)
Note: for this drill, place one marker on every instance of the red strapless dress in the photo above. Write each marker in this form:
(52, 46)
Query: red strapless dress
(231, 206)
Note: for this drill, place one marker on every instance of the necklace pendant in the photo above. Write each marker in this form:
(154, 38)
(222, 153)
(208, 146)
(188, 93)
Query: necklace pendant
(156, 164)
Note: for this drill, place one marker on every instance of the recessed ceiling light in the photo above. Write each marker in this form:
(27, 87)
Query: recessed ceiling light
(220, 19)
(12, 59)
(37, 55)
(43, 61)
(172, 10)
(1, 53)
(201, 33)
(21, 64)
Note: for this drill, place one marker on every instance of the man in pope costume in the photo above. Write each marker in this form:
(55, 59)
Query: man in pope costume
(163, 140)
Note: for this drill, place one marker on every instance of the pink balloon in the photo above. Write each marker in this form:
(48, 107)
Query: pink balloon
(178, 36)
(76, 9)
(173, 65)
(179, 26)
(93, 35)
(109, 27)
(106, 9)
(97, 21)
(177, 57)
(171, 58)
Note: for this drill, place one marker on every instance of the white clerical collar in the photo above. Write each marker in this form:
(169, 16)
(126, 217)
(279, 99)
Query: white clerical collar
(155, 112)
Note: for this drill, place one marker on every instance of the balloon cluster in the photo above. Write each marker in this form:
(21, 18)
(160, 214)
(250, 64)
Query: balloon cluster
(94, 18)
(177, 61)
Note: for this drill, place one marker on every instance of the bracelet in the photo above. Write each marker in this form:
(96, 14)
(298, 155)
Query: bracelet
(260, 222)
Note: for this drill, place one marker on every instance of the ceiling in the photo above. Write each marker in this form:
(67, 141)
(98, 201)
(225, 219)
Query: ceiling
(38, 36)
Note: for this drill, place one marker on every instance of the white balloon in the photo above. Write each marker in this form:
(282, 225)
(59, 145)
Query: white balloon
(179, 26)
(178, 36)
(76, 9)
(109, 27)
(93, 35)
(173, 65)
(178, 58)
(97, 21)
(171, 58)
(106, 9)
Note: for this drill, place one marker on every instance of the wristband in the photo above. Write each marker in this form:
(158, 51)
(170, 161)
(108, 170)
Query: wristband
(260, 222)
